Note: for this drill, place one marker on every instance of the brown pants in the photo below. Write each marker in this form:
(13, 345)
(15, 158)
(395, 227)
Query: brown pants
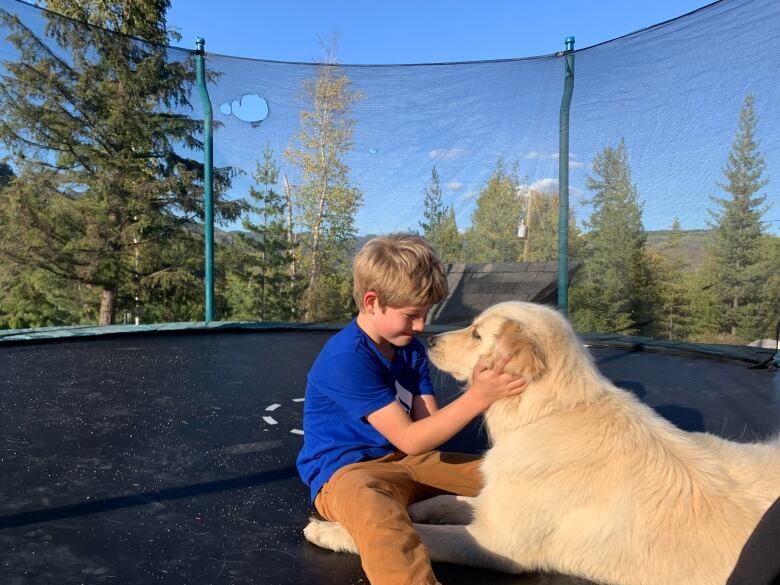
(370, 499)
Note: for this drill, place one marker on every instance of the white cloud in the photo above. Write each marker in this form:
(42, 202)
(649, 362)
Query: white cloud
(573, 162)
(547, 185)
(448, 153)
(454, 186)
(550, 185)
(469, 196)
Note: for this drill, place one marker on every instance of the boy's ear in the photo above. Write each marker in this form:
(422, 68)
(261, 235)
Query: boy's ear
(370, 302)
(527, 357)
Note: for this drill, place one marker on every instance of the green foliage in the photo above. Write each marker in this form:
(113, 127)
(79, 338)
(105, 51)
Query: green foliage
(770, 308)
(336, 299)
(169, 280)
(439, 225)
(614, 289)
(493, 233)
(140, 18)
(706, 312)
(738, 261)
(102, 190)
(326, 199)
(36, 298)
(6, 175)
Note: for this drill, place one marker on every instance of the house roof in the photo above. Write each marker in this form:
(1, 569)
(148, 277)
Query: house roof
(475, 287)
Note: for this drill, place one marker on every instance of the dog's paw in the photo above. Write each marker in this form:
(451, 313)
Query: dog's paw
(330, 535)
(444, 509)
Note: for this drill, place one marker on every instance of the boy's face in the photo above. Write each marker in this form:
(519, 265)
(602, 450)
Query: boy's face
(399, 325)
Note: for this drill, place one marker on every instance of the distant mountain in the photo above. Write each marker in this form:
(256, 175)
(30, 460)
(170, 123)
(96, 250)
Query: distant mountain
(690, 249)
(230, 237)
(360, 241)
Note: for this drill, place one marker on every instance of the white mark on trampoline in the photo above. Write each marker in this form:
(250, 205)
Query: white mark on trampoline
(272, 407)
(269, 420)
(297, 399)
(296, 431)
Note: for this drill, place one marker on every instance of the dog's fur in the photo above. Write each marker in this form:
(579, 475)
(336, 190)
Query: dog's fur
(582, 478)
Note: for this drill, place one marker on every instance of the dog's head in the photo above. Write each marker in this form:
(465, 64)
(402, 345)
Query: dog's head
(525, 332)
(544, 349)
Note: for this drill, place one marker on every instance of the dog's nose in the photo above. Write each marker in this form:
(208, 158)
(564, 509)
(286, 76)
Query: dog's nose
(432, 340)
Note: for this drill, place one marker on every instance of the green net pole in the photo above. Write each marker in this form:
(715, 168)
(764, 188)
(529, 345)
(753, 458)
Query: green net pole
(208, 177)
(563, 181)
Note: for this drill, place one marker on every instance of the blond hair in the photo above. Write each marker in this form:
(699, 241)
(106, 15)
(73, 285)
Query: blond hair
(402, 269)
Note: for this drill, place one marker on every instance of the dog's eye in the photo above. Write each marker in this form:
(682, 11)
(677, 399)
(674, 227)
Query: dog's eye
(475, 335)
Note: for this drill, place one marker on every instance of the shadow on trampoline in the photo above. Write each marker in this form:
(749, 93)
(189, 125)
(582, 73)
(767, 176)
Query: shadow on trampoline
(143, 499)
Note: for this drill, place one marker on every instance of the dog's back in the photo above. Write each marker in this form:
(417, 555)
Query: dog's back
(612, 491)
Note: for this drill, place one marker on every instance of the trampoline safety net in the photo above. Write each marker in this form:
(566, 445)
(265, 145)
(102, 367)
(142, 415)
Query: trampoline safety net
(674, 158)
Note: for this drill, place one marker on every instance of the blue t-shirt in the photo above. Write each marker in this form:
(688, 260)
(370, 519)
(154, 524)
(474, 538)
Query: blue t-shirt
(349, 380)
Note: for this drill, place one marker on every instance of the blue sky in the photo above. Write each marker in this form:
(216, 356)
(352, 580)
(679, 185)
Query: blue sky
(412, 31)
(672, 182)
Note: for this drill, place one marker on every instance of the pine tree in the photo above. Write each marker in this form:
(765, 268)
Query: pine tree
(103, 194)
(32, 297)
(448, 238)
(265, 271)
(735, 248)
(493, 233)
(327, 201)
(674, 309)
(706, 313)
(439, 225)
(140, 18)
(433, 206)
(6, 175)
(770, 312)
(613, 291)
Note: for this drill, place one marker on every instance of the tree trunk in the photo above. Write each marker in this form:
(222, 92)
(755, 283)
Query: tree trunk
(290, 247)
(107, 306)
(314, 272)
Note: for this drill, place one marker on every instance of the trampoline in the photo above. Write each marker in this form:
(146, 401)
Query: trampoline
(169, 457)
(166, 454)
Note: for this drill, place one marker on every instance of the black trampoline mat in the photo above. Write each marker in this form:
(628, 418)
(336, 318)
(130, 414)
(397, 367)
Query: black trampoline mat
(171, 458)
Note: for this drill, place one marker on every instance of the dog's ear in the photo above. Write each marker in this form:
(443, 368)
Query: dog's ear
(527, 357)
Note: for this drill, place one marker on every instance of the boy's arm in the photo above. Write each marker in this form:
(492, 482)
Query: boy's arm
(420, 436)
(423, 405)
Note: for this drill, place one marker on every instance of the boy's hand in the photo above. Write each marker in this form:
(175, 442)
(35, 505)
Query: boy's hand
(491, 383)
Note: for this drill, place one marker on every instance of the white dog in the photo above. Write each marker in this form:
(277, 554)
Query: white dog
(582, 478)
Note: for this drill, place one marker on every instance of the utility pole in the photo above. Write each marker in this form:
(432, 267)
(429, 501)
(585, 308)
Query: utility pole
(529, 228)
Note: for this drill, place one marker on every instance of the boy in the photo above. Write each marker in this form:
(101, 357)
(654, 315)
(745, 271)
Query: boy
(371, 420)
